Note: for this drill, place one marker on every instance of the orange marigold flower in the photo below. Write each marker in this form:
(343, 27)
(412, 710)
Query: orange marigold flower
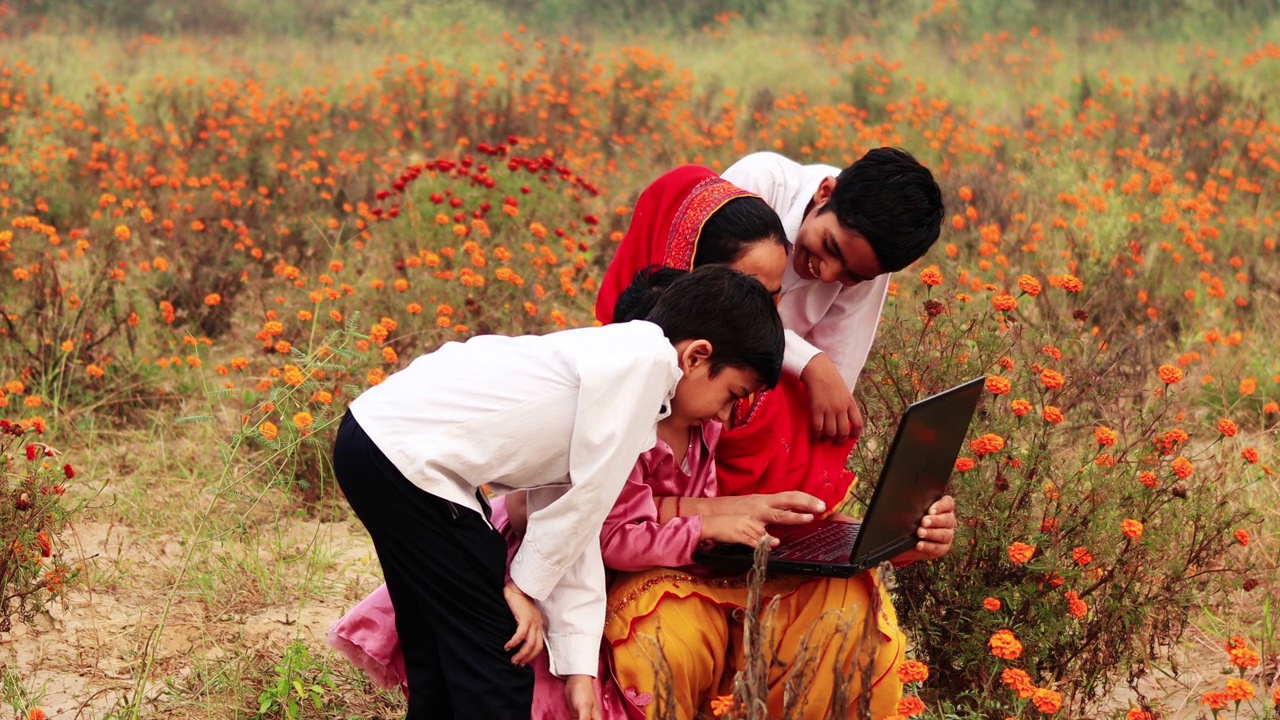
(1029, 285)
(1248, 386)
(931, 276)
(987, 444)
(413, 308)
(992, 604)
(1047, 701)
(375, 376)
(1139, 714)
(1081, 555)
(1242, 536)
(283, 347)
(269, 430)
(123, 233)
(1271, 407)
(1215, 699)
(1241, 655)
(997, 385)
(721, 705)
(1182, 468)
(910, 706)
(1052, 414)
(303, 420)
(1004, 303)
(966, 194)
(94, 371)
(1017, 679)
(1004, 645)
(1020, 552)
(1250, 455)
(1131, 528)
(1105, 436)
(1072, 284)
(1020, 407)
(1239, 689)
(1052, 379)
(965, 464)
(1227, 428)
(1148, 479)
(1169, 375)
(1076, 607)
(913, 671)
(36, 714)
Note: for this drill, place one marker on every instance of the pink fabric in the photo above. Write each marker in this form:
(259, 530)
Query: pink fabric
(632, 538)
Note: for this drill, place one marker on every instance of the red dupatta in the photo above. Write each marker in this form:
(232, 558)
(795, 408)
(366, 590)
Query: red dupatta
(770, 446)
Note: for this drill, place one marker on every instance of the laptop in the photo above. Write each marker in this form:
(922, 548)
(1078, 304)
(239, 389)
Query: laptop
(915, 475)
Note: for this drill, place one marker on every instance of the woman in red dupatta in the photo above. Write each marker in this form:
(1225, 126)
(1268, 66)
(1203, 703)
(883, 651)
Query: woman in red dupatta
(683, 220)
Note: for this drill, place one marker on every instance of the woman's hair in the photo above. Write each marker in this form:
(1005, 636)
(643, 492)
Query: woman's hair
(732, 311)
(735, 227)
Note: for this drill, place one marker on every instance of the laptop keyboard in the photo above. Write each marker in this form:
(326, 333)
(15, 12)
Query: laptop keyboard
(832, 543)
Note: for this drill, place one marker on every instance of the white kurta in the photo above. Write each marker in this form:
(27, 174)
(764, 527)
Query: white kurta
(820, 317)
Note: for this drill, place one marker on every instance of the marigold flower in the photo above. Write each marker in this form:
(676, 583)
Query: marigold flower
(913, 671)
(1169, 375)
(1241, 655)
(1227, 428)
(931, 276)
(1271, 407)
(987, 444)
(1139, 714)
(721, 704)
(268, 430)
(1072, 284)
(1052, 414)
(910, 706)
(992, 604)
(1182, 468)
(1020, 407)
(1020, 552)
(1239, 689)
(1148, 479)
(36, 714)
(1131, 528)
(1105, 436)
(1005, 645)
(997, 385)
(1076, 607)
(965, 464)
(1215, 699)
(1018, 680)
(413, 308)
(1081, 555)
(1047, 701)
(303, 420)
(1052, 379)
(1004, 303)
(1029, 285)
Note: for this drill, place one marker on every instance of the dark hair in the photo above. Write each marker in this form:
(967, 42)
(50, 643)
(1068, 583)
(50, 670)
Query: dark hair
(642, 294)
(732, 311)
(890, 199)
(735, 227)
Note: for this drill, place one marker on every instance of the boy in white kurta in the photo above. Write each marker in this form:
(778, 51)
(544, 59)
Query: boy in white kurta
(849, 229)
(563, 416)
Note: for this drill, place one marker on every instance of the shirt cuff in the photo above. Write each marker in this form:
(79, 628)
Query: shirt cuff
(571, 654)
(797, 353)
(532, 573)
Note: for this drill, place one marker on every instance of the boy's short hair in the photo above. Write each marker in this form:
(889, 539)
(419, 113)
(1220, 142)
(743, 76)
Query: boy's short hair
(732, 311)
(890, 199)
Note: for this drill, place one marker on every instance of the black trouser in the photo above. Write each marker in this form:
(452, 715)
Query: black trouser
(444, 568)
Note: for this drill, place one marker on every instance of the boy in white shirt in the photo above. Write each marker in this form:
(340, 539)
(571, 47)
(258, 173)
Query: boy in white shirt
(849, 229)
(563, 416)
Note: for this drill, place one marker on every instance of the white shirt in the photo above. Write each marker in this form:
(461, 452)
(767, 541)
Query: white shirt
(563, 415)
(820, 317)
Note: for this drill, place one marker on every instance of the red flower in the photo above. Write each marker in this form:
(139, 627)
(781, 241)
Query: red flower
(69, 471)
(32, 452)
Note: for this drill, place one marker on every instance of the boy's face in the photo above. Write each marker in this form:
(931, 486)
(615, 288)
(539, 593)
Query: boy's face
(828, 251)
(699, 395)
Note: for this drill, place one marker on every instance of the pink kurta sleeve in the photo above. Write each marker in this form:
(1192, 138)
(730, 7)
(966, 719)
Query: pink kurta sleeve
(633, 539)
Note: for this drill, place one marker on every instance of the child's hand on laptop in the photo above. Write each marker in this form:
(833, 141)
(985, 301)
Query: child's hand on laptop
(937, 532)
(739, 529)
(792, 507)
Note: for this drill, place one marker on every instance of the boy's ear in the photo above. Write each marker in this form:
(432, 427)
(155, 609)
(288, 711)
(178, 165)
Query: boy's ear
(823, 193)
(695, 353)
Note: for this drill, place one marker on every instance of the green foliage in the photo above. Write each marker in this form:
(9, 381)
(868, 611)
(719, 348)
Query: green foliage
(302, 687)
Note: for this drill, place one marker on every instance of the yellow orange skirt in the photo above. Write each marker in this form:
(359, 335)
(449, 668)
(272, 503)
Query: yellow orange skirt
(677, 642)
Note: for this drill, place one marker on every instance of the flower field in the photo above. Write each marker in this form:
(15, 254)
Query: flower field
(208, 248)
